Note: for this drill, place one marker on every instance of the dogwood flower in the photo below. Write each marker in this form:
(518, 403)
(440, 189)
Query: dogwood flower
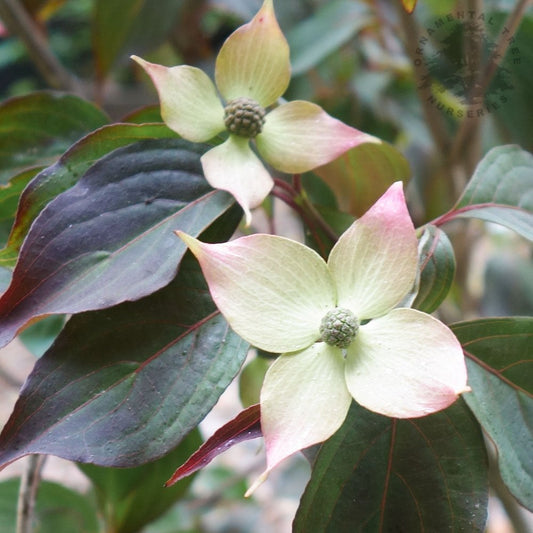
(252, 71)
(337, 324)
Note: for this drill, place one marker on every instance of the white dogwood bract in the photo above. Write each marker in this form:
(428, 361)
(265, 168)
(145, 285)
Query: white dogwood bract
(274, 292)
(253, 63)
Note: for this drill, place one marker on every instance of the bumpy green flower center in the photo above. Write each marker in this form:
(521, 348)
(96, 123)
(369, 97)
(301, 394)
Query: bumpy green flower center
(244, 117)
(339, 327)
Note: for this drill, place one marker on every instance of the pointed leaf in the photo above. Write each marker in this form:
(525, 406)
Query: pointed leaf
(233, 167)
(189, 102)
(299, 136)
(436, 262)
(331, 26)
(36, 128)
(500, 372)
(273, 291)
(375, 260)
(67, 171)
(361, 175)
(254, 60)
(123, 386)
(245, 426)
(130, 498)
(500, 191)
(382, 474)
(110, 237)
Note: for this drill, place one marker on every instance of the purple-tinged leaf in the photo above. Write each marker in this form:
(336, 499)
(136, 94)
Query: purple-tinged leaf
(245, 426)
(500, 372)
(383, 474)
(36, 128)
(122, 386)
(110, 238)
(66, 172)
(437, 269)
(500, 191)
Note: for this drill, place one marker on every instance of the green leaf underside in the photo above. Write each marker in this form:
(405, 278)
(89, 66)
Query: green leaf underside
(36, 128)
(361, 175)
(130, 498)
(500, 191)
(500, 372)
(123, 386)
(64, 174)
(57, 509)
(110, 238)
(331, 26)
(437, 269)
(378, 474)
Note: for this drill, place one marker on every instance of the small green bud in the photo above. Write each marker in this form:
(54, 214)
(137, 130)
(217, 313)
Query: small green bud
(244, 117)
(339, 327)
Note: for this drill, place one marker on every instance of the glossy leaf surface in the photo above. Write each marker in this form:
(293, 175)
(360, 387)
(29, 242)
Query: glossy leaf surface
(110, 238)
(437, 269)
(500, 191)
(36, 128)
(123, 386)
(64, 174)
(382, 474)
(500, 372)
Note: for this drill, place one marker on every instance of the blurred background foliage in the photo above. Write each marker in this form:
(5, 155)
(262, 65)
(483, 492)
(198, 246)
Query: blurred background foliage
(359, 60)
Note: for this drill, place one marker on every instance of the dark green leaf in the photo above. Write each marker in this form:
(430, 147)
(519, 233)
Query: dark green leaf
(125, 27)
(437, 268)
(68, 170)
(382, 474)
(110, 238)
(36, 128)
(57, 509)
(9, 199)
(329, 28)
(123, 386)
(500, 372)
(500, 191)
(130, 498)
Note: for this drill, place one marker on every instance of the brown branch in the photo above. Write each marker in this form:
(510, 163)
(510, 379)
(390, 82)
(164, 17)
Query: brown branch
(29, 483)
(506, 37)
(19, 23)
(432, 115)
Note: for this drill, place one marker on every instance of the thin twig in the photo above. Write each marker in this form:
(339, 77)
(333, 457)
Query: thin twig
(29, 483)
(432, 115)
(506, 37)
(19, 23)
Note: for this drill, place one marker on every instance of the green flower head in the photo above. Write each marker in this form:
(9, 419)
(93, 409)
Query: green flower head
(252, 71)
(338, 325)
